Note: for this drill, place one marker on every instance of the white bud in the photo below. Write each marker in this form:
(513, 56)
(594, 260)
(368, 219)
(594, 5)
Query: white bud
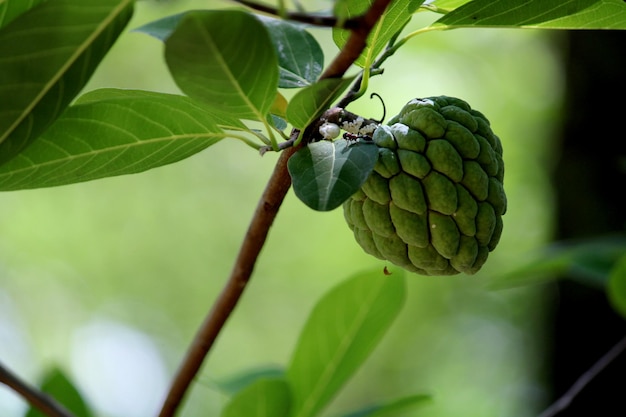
(329, 130)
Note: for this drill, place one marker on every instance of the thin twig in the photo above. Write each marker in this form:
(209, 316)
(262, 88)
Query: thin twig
(40, 400)
(308, 18)
(566, 399)
(267, 208)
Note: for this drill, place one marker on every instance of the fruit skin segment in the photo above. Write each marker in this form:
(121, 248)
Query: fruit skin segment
(434, 203)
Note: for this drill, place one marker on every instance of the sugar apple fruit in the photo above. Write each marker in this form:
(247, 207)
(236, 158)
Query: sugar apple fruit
(434, 202)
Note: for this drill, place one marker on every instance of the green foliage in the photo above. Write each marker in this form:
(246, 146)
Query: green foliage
(47, 56)
(392, 408)
(589, 261)
(310, 102)
(343, 329)
(543, 14)
(231, 67)
(262, 398)
(129, 131)
(397, 15)
(56, 384)
(617, 286)
(10, 9)
(300, 57)
(325, 174)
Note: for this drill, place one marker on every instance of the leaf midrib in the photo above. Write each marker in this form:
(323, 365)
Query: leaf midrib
(120, 148)
(220, 58)
(59, 74)
(312, 400)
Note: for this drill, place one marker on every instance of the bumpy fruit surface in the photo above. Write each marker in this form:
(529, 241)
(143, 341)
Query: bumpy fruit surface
(434, 202)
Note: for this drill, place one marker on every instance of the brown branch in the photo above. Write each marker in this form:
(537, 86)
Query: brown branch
(40, 400)
(267, 208)
(308, 18)
(254, 239)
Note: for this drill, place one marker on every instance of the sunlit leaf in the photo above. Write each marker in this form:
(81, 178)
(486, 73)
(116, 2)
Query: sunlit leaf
(392, 408)
(56, 384)
(617, 286)
(10, 9)
(118, 136)
(325, 174)
(398, 13)
(224, 58)
(546, 14)
(300, 57)
(444, 6)
(310, 102)
(46, 57)
(262, 398)
(341, 332)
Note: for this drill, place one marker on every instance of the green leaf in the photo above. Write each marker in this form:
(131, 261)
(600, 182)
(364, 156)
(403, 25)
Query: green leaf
(300, 57)
(224, 58)
(310, 102)
(10, 9)
(617, 286)
(221, 120)
(56, 384)
(162, 28)
(544, 14)
(341, 332)
(444, 6)
(325, 174)
(391, 408)
(123, 135)
(263, 398)
(398, 13)
(239, 382)
(589, 262)
(47, 55)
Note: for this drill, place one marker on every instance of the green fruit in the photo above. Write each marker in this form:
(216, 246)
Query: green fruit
(434, 203)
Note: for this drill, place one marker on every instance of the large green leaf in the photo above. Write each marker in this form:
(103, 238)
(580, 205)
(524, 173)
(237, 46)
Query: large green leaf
(226, 59)
(262, 398)
(300, 57)
(398, 13)
(10, 9)
(310, 102)
(224, 121)
(124, 135)
(46, 57)
(56, 384)
(546, 14)
(617, 286)
(342, 330)
(325, 174)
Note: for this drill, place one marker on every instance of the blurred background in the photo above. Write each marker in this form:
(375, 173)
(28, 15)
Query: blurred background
(110, 279)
